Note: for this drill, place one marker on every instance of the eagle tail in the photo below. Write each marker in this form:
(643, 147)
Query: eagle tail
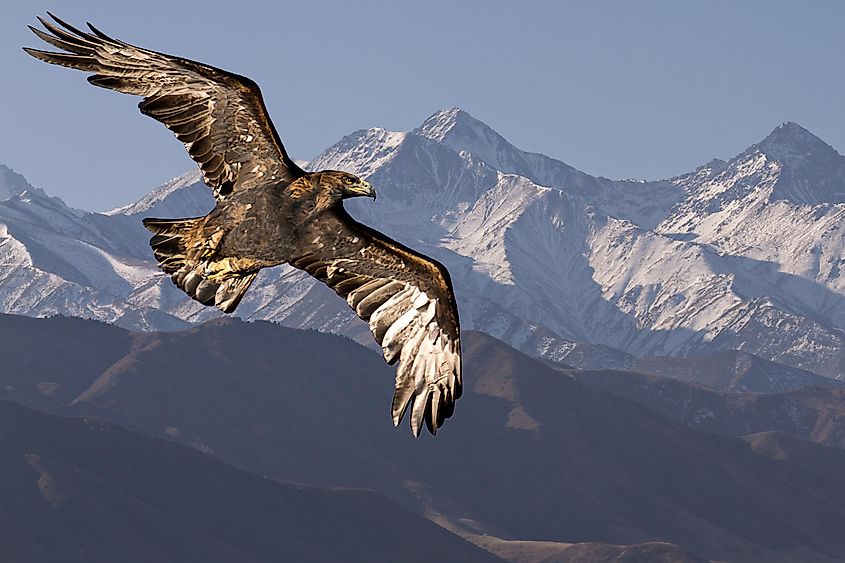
(221, 283)
(169, 241)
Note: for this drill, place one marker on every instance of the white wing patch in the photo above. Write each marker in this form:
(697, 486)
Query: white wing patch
(417, 329)
(428, 375)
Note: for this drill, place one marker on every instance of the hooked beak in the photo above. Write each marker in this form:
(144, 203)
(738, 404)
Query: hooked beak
(363, 189)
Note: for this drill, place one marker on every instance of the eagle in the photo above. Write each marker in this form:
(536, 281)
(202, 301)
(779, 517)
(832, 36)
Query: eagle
(269, 212)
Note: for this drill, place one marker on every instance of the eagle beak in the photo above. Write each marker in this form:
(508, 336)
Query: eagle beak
(363, 189)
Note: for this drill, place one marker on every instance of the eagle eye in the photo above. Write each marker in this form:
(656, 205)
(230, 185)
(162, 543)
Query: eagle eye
(348, 180)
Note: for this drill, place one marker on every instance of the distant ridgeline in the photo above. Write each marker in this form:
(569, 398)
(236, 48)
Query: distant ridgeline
(742, 254)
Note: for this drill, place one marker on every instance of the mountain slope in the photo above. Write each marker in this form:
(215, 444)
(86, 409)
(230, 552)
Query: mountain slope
(812, 413)
(11, 183)
(59, 260)
(739, 254)
(81, 489)
(581, 466)
(732, 370)
(622, 263)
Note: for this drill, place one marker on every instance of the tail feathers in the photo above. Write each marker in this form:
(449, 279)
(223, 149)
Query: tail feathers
(208, 281)
(169, 242)
(225, 294)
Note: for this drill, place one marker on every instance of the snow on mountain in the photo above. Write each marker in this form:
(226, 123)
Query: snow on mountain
(58, 260)
(773, 217)
(461, 132)
(644, 203)
(590, 259)
(740, 254)
(11, 183)
(183, 196)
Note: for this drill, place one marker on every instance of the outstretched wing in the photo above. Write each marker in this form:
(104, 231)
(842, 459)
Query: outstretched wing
(219, 116)
(408, 301)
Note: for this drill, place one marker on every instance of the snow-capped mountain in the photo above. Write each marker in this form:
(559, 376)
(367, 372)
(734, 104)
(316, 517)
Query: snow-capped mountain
(183, 196)
(11, 183)
(59, 260)
(743, 254)
(719, 258)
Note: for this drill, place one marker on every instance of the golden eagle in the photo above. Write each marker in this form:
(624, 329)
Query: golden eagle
(270, 212)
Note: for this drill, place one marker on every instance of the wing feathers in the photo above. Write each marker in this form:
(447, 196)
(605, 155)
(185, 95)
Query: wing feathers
(77, 37)
(370, 303)
(219, 116)
(361, 299)
(347, 286)
(72, 47)
(411, 312)
(179, 245)
(99, 33)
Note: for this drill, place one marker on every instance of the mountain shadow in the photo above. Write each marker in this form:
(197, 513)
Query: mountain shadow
(529, 455)
(85, 490)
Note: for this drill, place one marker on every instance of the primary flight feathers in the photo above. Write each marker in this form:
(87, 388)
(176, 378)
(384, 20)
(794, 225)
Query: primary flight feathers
(269, 212)
(219, 116)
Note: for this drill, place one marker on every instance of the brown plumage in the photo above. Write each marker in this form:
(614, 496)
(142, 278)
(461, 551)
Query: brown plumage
(269, 212)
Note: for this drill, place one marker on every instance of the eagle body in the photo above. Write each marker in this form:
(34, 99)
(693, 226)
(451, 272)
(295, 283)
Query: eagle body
(268, 227)
(269, 212)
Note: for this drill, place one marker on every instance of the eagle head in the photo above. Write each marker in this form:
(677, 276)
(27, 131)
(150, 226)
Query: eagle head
(339, 185)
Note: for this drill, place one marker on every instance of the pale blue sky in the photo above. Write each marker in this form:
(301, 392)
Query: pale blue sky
(622, 89)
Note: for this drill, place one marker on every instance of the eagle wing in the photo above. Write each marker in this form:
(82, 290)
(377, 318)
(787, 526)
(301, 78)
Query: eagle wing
(408, 301)
(219, 116)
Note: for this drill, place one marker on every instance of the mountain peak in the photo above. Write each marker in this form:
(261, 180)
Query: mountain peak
(449, 122)
(812, 171)
(789, 130)
(790, 143)
(185, 193)
(11, 183)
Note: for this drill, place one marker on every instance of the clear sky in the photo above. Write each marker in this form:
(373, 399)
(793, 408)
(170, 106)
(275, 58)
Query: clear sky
(644, 89)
